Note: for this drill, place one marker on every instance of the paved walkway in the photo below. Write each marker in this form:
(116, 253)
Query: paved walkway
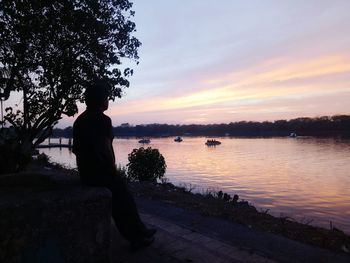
(185, 236)
(177, 244)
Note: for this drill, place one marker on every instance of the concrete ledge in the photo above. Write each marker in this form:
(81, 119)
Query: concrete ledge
(45, 220)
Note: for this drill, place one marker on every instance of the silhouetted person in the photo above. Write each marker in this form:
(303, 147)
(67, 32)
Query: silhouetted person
(92, 145)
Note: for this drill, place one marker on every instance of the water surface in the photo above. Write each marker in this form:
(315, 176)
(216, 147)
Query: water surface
(304, 178)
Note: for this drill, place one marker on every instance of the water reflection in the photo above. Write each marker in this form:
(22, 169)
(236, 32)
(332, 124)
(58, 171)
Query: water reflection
(300, 177)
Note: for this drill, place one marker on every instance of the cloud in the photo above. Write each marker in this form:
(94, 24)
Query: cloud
(275, 79)
(235, 60)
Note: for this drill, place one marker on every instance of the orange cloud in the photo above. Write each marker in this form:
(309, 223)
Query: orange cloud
(271, 79)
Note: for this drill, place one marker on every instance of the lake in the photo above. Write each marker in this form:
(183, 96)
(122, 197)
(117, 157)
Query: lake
(305, 178)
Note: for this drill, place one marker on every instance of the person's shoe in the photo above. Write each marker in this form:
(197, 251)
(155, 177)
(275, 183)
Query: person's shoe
(141, 243)
(149, 232)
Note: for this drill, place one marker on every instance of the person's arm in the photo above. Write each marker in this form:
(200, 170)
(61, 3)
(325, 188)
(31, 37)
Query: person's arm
(104, 149)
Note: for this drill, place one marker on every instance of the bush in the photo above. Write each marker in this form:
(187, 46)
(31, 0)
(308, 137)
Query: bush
(42, 158)
(121, 171)
(146, 164)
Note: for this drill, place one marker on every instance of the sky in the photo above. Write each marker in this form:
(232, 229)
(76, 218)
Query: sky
(206, 61)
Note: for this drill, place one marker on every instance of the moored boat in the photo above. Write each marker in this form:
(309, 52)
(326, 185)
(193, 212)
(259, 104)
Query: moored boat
(144, 141)
(212, 142)
(178, 139)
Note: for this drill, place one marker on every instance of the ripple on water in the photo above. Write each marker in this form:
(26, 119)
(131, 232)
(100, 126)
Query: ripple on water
(306, 177)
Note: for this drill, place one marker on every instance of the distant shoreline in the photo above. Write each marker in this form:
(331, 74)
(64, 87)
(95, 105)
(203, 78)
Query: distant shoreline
(325, 126)
(131, 136)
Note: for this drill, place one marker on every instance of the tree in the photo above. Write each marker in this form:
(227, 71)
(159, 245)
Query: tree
(51, 50)
(146, 164)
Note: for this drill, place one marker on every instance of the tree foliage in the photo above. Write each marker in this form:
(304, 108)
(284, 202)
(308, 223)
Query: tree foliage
(51, 50)
(338, 125)
(146, 164)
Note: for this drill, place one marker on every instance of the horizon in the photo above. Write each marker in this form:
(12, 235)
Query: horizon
(259, 61)
(216, 123)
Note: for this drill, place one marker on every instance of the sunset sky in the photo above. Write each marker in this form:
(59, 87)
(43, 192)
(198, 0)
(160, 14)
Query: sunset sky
(206, 61)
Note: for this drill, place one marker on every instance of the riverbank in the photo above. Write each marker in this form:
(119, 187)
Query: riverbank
(240, 211)
(191, 237)
(221, 205)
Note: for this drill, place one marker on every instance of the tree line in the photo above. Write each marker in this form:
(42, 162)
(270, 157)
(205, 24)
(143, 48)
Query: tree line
(338, 125)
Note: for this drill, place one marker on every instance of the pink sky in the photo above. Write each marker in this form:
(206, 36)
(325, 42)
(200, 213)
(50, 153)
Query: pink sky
(202, 62)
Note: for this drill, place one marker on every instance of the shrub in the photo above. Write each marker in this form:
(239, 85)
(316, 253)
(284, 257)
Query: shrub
(146, 164)
(121, 171)
(43, 158)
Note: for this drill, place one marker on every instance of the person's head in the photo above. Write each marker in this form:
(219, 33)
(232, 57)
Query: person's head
(96, 96)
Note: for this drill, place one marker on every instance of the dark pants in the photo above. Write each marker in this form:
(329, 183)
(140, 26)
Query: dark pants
(124, 210)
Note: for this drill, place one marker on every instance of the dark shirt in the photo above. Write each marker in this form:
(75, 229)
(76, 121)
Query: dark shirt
(92, 145)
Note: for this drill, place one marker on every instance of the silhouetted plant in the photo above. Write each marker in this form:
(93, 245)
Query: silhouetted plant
(226, 197)
(121, 171)
(43, 158)
(235, 199)
(50, 51)
(146, 164)
(220, 194)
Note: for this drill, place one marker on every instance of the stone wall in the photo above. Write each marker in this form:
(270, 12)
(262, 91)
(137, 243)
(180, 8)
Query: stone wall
(45, 219)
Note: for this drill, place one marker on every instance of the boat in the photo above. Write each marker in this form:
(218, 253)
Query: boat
(144, 141)
(212, 142)
(178, 139)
